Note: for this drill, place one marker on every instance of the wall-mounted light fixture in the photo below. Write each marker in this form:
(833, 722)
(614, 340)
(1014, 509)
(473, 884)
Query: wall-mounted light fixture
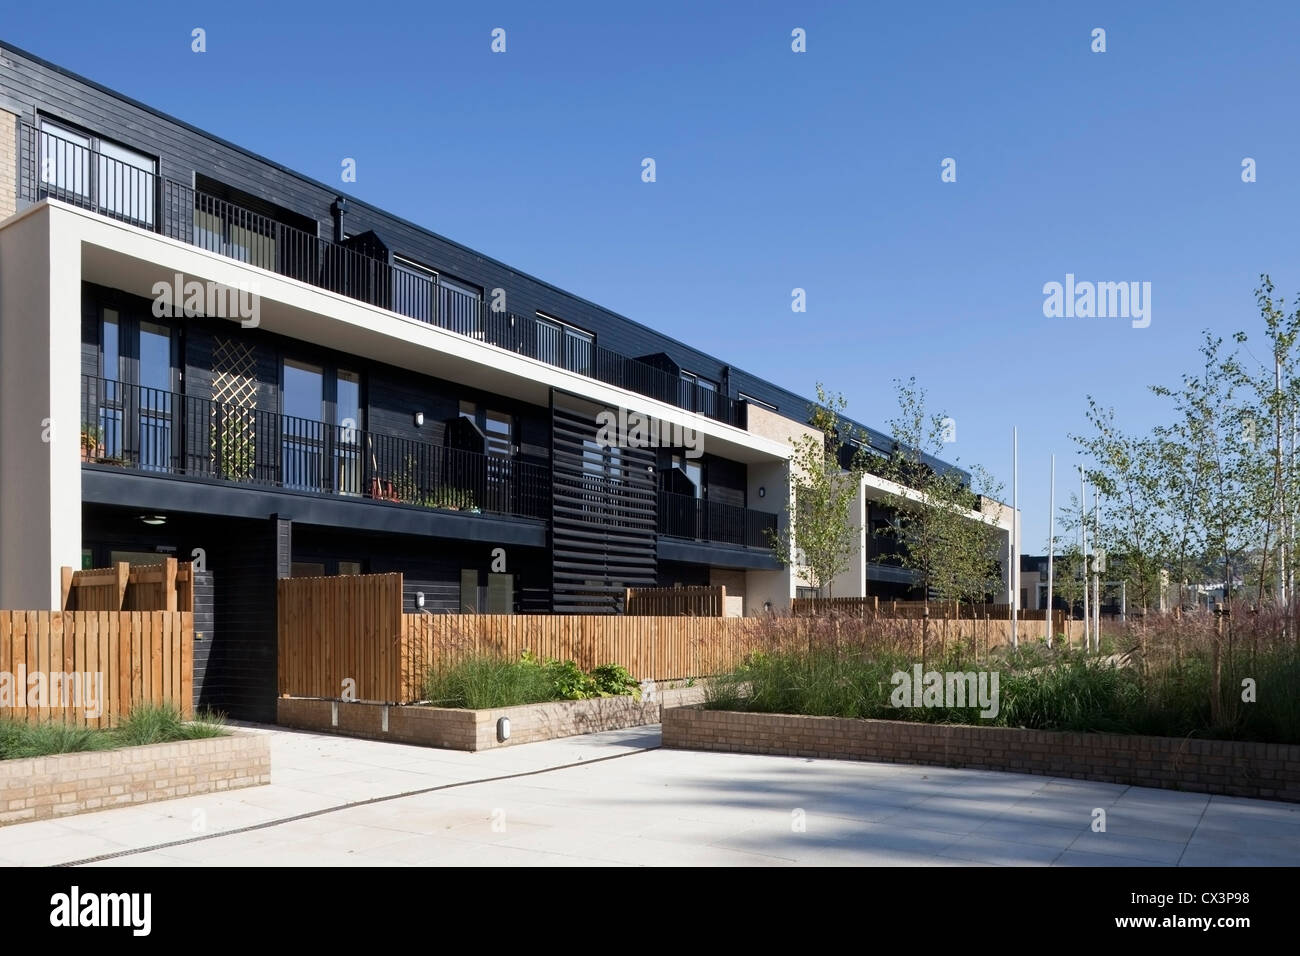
(154, 519)
(762, 492)
(419, 599)
(503, 729)
(419, 419)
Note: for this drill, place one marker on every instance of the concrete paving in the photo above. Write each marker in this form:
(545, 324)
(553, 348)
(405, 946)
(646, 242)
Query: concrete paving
(615, 799)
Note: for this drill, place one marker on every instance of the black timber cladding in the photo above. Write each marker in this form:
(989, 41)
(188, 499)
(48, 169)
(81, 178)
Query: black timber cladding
(603, 515)
(186, 153)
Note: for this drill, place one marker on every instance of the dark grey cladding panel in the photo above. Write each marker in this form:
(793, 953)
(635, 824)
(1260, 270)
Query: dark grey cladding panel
(184, 150)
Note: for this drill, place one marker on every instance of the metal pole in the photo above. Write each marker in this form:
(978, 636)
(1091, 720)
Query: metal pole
(1096, 572)
(1083, 552)
(1051, 549)
(1015, 528)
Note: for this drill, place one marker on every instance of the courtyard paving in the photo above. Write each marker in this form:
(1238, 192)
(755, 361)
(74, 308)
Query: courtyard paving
(617, 799)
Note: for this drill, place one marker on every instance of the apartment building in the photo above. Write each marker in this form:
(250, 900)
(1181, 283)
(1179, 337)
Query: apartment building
(207, 355)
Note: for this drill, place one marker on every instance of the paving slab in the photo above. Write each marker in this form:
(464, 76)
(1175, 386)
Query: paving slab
(617, 799)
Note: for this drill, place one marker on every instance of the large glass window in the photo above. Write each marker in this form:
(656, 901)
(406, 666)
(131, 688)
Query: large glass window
(347, 448)
(458, 307)
(155, 396)
(565, 346)
(303, 439)
(698, 394)
(694, 472)
(499, 429)
(413, 287)
(80, 169)
(65, 162)
(109, 439)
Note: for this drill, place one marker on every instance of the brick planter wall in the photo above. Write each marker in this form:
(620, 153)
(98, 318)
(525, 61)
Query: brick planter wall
(457, 729)
(40, 788)
(1234, 768)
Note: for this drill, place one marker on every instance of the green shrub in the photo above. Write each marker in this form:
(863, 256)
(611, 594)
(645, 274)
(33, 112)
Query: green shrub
(486, 681)
(614, 680)
(569, 681)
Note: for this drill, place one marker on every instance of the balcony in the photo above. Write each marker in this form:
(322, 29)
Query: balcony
(360, 269)
(681, 516)
(154, 431)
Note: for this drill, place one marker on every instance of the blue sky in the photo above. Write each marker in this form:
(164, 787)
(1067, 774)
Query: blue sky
(778, 170)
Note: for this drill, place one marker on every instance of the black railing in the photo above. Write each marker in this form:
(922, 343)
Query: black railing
(61, 169)
(152, 430)
(681, 516)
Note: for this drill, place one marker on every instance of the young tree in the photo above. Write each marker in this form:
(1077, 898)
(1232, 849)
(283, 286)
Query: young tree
(946, 528)
(821, 534)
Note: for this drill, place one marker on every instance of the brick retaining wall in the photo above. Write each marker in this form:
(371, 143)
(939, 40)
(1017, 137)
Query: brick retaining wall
(1234, 768)
(458, 729)
(40, 788)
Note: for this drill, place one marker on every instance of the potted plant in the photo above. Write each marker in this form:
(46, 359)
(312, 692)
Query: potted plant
(92, 443)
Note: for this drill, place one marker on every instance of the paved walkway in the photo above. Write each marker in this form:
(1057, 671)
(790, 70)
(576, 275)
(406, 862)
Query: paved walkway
(616, 799)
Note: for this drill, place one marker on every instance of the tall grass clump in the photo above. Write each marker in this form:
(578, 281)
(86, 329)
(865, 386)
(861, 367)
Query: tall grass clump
(1173, 676)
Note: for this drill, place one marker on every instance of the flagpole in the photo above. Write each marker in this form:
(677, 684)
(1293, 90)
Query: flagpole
(1083, 554)
(1015, 530)
(1051, 549)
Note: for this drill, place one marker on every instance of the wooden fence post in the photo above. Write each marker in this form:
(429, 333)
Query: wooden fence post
(123, 572)
(65, 587)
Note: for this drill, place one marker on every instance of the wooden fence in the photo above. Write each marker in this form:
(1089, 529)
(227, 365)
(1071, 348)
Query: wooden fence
(168, 586)
(346, 636)
(89, 668)
(337, 629)
(651, 648)
(706, 601)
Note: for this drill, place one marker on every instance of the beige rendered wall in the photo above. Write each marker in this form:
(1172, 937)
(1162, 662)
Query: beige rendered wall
(40, 415)
(776, 588)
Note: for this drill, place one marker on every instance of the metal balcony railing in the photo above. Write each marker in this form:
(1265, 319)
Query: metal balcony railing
(681, 516)
(60, 169)
(151, 430)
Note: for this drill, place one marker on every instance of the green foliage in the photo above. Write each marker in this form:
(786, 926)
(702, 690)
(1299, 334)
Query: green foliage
(614, 680)
(144, 725)
(956, 554)
(486, 681)
(820, 536)
(234, 445)
(1038, 690)
(569, 681)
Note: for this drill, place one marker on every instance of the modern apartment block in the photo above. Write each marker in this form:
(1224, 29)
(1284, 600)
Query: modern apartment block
(204, 354)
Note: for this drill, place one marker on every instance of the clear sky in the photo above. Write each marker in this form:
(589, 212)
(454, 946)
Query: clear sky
(779, 170)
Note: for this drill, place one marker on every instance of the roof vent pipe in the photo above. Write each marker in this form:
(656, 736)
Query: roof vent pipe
(338, 209)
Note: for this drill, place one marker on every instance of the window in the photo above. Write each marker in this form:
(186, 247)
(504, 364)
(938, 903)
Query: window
(499, 429)
(65, 162)
(468, 591)
(458, 307)
(468, 410)
(693, 469)
(235, 233)
(413, 290)
(97, 174)
(305, 569)
(561, 344)
(302, 443)
(347, 418)
(741, 396)
(698, 394)
(110, 399)
(155, 396)
(349, 567)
